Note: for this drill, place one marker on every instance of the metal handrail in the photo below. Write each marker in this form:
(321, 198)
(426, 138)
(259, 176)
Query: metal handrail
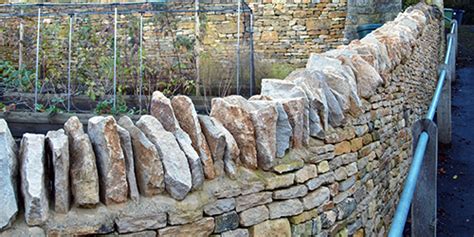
(401, 213)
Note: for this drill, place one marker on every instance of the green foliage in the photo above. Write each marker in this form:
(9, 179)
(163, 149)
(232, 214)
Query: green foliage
(407, 3)
(172, 70)
(55, 106)
(107, 107)
(279, 71)
(16, 79)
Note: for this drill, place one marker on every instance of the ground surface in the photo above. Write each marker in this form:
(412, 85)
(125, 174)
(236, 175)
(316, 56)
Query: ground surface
(456, 162)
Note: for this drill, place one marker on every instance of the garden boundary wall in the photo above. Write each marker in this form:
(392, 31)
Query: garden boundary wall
(323, 152)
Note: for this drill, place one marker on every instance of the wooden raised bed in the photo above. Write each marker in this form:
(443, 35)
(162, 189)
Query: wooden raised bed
(30, 122)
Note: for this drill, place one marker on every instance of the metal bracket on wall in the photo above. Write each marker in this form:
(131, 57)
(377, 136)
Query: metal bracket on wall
(423, 209)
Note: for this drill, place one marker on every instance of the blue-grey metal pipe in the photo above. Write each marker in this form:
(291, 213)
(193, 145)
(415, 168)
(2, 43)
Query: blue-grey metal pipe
(401, 213)
(398, 223)
(434, 102)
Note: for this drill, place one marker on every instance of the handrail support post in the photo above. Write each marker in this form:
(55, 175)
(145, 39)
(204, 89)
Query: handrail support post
(444, 107)
(424, 204)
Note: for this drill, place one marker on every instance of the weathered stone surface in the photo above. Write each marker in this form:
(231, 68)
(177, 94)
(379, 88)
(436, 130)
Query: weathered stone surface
(147, 221)
(345, 208)
(201, 228)
(148, 165)
(8, 176)
(304, 229)
(83, 170)
(285, 208)
(178, 181)
(206, 159)
(265, 117)
(326, 178)
(292, 192)
(278, 227)
(323, 166)
(368, 79)
(214, 136)
(254, 216)
(239, 123)
(252, 200)
(224, 188)
(328, 218)
(58, 146)
(188, 120)
(222, 144)
(227, 221)
(306, 173)
(236, 233)
(346, 184)
(304, 216)
(161, 109)
(288, 163)
(220, 206)
(316, 198)
(147, 233)
(33, 176)
(187, 117)
(279, 181)
(283, 126)
(194, 160)
(250, 181)
(21, 229)
(317, 91)
(295, 109)
(287, 90)
(127, 149)
(110, 159)
(340, 78)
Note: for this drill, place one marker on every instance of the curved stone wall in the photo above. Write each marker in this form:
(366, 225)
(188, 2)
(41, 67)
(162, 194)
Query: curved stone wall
(323, 153)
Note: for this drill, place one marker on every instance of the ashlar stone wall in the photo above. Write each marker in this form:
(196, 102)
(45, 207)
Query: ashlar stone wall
(322, 153)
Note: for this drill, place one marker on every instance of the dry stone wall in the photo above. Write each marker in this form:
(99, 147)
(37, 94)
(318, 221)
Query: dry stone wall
(322, 153)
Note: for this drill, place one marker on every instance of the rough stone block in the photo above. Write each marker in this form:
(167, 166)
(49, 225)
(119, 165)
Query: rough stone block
(83, 169)
(8, 176)
(252, 200)
(225, 222)
(254, 216)
(127, 149)
(316, 198)
(278, 227)
(285, 208)
(148, 165)
(220, 206)
(201, 228)
(58, 146)
(33, 176)
(289, 193)
(110, 159)
(178, 181)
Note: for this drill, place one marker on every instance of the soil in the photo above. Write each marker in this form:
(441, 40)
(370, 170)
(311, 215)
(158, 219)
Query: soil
(456, 161)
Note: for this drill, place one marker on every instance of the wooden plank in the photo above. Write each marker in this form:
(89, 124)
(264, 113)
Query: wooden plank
(23, 122)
